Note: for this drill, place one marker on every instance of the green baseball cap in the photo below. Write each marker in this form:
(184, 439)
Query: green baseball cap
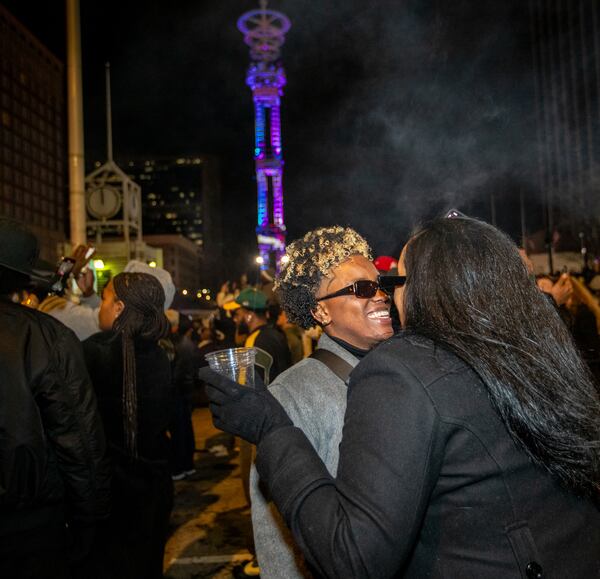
(251, 299)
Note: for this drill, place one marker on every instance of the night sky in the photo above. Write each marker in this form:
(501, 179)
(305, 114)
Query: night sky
(394, 110)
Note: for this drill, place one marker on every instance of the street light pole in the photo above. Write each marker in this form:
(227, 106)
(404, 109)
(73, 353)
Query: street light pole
(75, 116)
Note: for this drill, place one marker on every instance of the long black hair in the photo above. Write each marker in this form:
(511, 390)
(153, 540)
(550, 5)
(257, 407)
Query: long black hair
(143, 318)
(468, 290)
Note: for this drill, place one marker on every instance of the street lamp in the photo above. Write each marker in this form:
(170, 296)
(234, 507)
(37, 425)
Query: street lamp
(259, 261)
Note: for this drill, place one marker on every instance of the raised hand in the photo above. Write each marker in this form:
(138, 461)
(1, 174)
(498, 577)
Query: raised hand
(245, 412)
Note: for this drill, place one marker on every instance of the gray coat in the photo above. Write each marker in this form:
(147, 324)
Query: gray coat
(315, 399)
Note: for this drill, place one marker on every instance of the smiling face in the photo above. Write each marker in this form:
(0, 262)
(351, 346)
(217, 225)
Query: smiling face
(363, 323)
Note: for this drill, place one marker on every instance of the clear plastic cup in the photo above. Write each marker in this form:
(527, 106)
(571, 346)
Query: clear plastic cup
(235, 363)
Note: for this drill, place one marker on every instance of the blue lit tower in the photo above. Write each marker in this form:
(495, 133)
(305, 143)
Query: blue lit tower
(264, 32)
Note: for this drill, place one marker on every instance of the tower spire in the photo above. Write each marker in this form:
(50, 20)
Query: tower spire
(109, 143)
(264, 32)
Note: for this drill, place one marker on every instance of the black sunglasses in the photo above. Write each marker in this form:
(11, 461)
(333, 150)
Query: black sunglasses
(366, 288)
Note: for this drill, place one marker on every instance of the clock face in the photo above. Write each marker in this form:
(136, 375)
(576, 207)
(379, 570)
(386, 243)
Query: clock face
(104, 202)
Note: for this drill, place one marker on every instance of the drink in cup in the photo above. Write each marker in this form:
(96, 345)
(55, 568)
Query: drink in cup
(235, 363)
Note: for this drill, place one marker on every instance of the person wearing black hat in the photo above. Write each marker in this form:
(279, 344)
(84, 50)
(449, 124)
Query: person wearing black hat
(54, 480)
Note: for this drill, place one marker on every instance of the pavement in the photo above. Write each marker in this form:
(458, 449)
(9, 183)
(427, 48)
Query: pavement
(210, 523)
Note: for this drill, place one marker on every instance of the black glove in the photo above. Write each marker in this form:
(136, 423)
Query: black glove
(248, 413)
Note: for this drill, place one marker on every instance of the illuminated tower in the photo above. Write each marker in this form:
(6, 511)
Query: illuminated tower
(264, 32)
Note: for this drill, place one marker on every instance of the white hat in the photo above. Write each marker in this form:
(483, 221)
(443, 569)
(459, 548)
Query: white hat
(162, 275)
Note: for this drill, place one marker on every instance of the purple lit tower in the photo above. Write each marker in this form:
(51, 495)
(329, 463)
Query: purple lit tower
(264, 32)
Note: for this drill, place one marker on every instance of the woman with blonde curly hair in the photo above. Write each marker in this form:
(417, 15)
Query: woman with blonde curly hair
(471, 441)
(329, 281)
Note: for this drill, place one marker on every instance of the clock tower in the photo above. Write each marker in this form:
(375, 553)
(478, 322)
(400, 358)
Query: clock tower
(113, 199)
(113, 203)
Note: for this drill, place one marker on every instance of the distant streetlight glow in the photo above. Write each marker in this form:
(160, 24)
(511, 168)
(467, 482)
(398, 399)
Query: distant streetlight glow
(184, 292)
(259, 259)
(152, 263)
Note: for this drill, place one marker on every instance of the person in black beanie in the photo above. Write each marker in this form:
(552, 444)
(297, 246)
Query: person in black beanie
(54, 479)
(132, 378)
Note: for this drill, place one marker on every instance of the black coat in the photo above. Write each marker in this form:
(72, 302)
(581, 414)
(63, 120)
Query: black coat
(130, 544)
(273, 341)
(104, 359)
(52, 443)
(429, 483)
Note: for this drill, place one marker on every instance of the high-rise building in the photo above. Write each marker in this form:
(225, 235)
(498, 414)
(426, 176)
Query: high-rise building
(33, 186)
(264, 31)
(182, 259)
(171, 195)
(181, 198)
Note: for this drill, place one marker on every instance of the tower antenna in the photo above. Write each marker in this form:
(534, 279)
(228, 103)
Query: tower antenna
(109, 144)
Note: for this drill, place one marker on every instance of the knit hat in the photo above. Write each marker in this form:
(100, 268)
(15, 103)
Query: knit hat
(162, 275)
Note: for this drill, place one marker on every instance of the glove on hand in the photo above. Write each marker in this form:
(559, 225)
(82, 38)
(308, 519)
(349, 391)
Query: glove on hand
(242, 411)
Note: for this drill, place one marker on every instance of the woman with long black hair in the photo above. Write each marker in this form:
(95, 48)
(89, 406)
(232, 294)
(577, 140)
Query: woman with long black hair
(131, 375)
(471, 444)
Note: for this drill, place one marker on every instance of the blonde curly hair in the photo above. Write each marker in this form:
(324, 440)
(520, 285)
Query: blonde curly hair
(310, 259)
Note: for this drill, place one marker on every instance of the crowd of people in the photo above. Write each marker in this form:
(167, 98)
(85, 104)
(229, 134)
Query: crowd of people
(436, 415)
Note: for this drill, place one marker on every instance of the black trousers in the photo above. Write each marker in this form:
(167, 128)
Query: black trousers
(183, 443)
(39, 553)
(131, 543)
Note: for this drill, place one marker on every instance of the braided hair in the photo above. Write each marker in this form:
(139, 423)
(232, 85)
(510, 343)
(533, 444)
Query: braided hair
(142, 318)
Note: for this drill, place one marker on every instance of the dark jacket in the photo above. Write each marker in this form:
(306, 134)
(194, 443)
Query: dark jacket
(183, 366)
(52, 442)
(130, 545)
(104, 358)
(272, 341)
(429, 482)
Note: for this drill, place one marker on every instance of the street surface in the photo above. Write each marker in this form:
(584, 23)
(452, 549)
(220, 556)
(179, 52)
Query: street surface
(210, 523)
